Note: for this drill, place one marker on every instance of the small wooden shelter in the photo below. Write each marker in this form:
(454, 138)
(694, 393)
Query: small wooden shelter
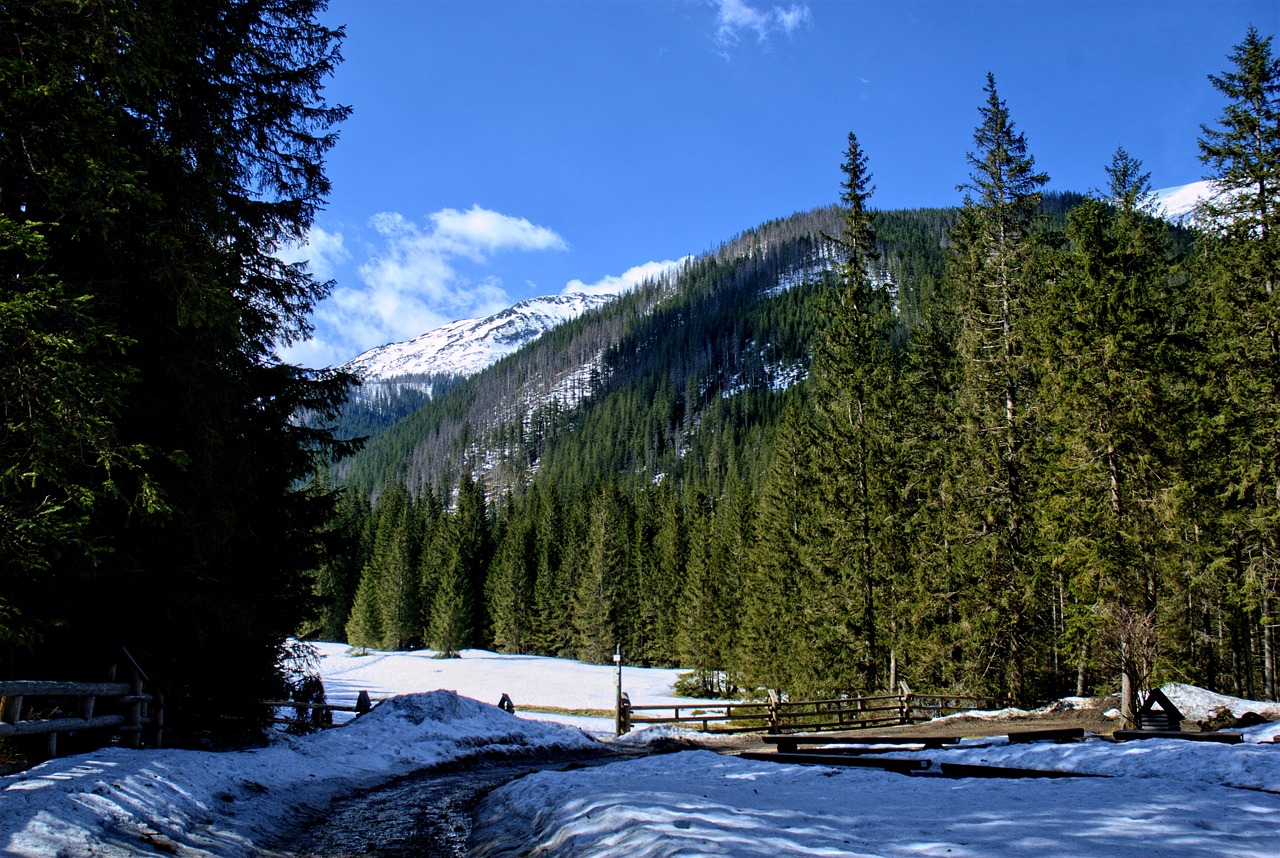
(1158, 713)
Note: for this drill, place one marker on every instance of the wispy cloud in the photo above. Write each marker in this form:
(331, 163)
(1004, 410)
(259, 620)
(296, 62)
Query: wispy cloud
(410, 282)
(479, 229)
(735, 17)
(616, 284)
(323, 252)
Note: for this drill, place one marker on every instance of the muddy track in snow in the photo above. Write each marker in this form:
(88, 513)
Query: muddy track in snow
(426, 814)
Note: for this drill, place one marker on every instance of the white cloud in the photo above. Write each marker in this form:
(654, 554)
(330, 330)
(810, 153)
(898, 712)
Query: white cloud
(324, 251)
(734, 17)
(626, 281)
(478, 228)
(410, 282)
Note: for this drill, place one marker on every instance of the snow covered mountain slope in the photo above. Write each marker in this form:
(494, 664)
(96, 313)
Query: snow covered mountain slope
(467, 346)
(1178, 204)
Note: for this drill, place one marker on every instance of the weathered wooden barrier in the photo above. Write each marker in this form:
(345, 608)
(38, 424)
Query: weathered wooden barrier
(856, 749)
(775, 715)
(126, 711)
(315, 715)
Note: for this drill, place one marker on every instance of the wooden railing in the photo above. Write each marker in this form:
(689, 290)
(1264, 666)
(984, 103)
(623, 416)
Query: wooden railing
(124, 709)
(312, 716)
(775, 715)
(923, 707)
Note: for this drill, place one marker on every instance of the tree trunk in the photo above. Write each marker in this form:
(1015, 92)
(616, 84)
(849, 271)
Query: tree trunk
(1128, 702)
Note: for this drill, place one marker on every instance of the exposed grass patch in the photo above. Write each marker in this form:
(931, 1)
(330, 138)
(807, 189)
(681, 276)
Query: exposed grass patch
(557, 710)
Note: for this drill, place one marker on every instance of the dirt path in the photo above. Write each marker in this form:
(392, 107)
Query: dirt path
(428, 814)
(423, 815)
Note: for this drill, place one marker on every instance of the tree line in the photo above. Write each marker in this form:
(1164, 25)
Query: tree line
(1034, 450)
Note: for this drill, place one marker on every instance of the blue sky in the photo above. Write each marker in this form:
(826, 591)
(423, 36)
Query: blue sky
(504, 150)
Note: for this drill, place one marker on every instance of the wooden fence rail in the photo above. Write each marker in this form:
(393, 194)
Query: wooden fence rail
(775, 715)
(34, 708)
(316, 715)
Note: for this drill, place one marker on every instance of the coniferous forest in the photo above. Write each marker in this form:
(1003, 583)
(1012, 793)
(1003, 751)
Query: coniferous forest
(1026, 446)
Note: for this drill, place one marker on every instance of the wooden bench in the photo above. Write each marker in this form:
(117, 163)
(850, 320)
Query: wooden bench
(969, 770)
(1064, 734)
(789, 743)
(820, 758)
(910, 766)
(1225, 738)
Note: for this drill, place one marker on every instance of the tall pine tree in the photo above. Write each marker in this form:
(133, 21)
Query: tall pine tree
(856, 381)
(1241, 260)
(994, 268)
(1108, 411)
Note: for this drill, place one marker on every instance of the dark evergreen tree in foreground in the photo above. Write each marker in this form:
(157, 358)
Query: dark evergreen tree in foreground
(857, 390)
(153, 157)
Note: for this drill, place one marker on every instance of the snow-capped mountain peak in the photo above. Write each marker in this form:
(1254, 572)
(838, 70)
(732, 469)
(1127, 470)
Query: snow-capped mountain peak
(467, 346)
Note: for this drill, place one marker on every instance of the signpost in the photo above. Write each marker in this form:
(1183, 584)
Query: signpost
(617, 717)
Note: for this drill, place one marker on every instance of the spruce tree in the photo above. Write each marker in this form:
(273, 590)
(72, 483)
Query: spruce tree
(1107, 412)
(396, 545)
(364, 626)
(856, 381)
(710, 597)
(338, 577)
(509, 588)
(773, 643)
(457, 616)
(553, 579)
(595, 621)
(153, 158)
(1241, 256)
(993, 266)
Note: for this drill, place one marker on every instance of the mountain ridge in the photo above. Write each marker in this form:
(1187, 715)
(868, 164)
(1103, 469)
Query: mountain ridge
(466, 346)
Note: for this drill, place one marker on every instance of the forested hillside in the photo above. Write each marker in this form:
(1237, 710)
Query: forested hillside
(1027, 446)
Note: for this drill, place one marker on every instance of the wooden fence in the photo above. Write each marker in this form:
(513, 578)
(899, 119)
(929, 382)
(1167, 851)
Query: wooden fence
(313, 716)
(126, 710)
(775, 715)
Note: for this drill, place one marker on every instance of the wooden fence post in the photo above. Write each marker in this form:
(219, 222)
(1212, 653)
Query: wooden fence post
(904, 702)
(12, 712)
(774, 701)
(157, 720)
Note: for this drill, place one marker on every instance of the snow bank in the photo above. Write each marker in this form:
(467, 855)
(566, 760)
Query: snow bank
(121, 802)
(1198, 704)
(1162, 796)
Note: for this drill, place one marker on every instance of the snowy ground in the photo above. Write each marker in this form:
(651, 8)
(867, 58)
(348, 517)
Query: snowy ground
(530, 681)
(1163, 797)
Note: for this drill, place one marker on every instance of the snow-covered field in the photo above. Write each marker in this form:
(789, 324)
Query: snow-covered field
(529, 680)
(1161, 797)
